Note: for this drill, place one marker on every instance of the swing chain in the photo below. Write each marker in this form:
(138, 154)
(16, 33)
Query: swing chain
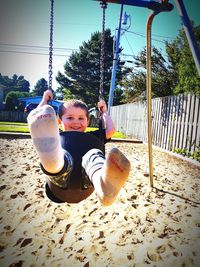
(102, 56)
(51, 45)
(102, 125)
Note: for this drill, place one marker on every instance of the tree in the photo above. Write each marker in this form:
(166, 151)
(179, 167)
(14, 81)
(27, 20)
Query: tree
(81, 76)
(182, 63)
(40, 87)
(16, 83)
(134, 83)
(11, 101)
(174, 75)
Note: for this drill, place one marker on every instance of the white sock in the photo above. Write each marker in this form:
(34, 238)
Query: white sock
(111, 178)
(44, 131)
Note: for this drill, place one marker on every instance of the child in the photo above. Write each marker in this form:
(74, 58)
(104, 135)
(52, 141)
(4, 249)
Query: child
(59, 158)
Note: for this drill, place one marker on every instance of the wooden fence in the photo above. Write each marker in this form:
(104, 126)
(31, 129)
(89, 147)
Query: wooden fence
(175, 121)
(13, 116)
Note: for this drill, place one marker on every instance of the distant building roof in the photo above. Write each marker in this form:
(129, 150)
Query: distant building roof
(37, 99)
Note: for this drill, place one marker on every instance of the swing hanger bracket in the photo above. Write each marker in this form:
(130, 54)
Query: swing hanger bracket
(155, 5)
(103, 4)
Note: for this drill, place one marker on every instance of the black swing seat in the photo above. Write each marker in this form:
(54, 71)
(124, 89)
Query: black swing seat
(77, 144)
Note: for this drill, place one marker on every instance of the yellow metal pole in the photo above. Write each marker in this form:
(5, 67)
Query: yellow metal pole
(148, 29)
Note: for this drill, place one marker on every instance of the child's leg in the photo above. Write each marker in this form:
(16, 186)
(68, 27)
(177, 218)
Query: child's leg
(44, 130)
(107, 175)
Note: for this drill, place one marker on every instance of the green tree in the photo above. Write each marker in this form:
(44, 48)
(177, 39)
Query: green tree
(40, 87)
(15, 83)
(11, 101)
(134, 83)
(182, 63)
(81, 76)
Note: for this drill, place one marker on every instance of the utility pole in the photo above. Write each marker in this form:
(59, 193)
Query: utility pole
(115, 59)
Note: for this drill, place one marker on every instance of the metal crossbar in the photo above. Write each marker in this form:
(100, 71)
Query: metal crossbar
(157, 6)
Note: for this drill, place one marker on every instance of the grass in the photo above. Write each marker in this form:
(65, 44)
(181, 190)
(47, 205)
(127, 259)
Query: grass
(19, 127)
(14, 127)
(119, 135)
(13, 123)
(116, 135)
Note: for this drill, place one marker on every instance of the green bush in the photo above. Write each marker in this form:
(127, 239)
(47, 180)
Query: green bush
(184, 152)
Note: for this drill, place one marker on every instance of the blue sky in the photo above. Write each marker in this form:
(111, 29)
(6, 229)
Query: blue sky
(24, 32)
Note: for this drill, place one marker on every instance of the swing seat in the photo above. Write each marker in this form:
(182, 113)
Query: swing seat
(79, 187)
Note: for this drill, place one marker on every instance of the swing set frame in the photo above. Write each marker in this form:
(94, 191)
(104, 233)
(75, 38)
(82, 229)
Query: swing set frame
(156, 7)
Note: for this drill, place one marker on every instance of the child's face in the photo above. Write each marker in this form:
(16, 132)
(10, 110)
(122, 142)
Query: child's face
(74, 119)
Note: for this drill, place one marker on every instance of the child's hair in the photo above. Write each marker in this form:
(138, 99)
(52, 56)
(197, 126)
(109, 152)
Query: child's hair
(73, 103)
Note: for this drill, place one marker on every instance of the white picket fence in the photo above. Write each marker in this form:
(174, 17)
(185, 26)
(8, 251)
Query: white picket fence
(175, 121)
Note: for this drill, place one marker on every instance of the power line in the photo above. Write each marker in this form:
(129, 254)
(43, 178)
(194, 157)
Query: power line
(37, 47)
(144, 36)
(153, 34)
(129, 44)
(32, 53)
(29, 49)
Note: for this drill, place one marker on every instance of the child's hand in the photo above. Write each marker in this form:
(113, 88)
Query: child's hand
(102, 106)
(47, 96)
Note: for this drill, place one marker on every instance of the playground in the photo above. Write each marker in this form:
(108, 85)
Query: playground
(146, 226)
(155, 220)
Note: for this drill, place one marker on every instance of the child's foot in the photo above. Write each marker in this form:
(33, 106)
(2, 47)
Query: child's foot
(115, 173)
(44, 130)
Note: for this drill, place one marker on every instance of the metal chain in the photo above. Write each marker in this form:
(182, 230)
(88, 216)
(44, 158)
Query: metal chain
(102, 56)
(51, 45)
(102, 125)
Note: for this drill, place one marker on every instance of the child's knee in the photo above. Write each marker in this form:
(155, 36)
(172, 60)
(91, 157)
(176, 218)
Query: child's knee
(61, 177)
(93, 161)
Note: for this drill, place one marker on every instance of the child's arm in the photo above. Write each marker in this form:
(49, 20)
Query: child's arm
(47, 96)
(110, 128)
